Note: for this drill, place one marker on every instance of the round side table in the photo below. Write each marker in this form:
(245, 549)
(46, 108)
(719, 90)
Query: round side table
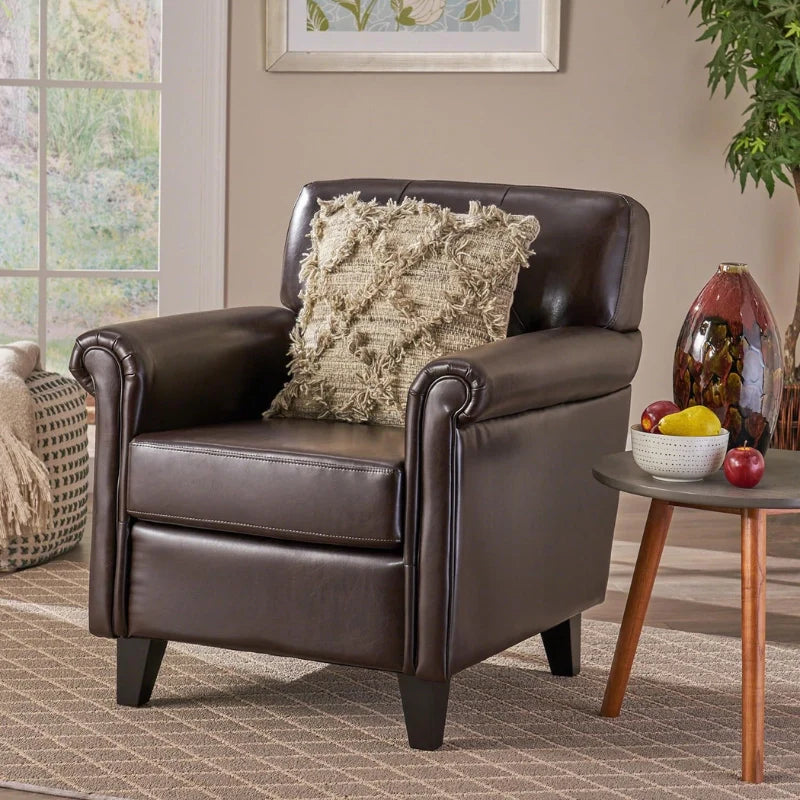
(778, 493)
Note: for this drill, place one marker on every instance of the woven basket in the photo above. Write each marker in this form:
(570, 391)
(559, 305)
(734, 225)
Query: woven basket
(62, 445)
(787, 430)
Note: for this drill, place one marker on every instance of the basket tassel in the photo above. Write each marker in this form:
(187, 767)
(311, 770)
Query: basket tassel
(26, 505)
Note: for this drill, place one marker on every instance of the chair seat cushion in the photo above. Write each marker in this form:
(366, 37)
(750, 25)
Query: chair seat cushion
(305, 480)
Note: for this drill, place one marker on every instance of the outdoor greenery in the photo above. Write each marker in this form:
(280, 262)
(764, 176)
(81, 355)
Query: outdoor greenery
(19, 303)
(758, 46)
(109, 40)
(102, 165)
(102, 179)
(74, 305)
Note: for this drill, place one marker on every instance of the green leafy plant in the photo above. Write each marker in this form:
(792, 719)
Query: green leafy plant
(758, 46)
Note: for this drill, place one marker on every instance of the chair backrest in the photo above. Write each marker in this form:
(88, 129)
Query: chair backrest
(591, 255)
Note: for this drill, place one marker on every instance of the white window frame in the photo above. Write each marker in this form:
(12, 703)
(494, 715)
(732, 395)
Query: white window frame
(193, 160)
(194, 147)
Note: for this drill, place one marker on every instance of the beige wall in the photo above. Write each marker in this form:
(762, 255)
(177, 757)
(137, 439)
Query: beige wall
(629, 112)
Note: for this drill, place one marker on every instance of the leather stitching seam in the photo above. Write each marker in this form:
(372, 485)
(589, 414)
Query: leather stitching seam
(259, 527)
(294, 461)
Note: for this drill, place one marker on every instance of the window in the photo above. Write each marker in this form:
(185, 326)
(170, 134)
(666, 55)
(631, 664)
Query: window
(88, 217)
(79, 167)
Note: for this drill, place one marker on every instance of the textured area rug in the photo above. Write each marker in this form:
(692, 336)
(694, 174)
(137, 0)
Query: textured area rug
(227, 725)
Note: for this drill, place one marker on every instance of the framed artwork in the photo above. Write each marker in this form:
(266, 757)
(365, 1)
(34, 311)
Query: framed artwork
(413, 35)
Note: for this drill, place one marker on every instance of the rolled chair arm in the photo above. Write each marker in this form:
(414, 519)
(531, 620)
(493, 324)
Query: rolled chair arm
(475, 402)
(533, 370)
(189, 369)
(159, 374)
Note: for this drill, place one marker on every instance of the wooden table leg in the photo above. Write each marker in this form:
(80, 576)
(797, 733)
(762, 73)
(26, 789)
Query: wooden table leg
(644, 575)
(754, 630)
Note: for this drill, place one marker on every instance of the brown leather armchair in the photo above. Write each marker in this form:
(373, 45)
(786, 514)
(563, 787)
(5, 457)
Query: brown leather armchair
(419, 551)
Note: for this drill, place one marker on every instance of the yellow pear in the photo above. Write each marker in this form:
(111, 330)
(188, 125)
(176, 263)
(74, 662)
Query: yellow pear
(692, 421)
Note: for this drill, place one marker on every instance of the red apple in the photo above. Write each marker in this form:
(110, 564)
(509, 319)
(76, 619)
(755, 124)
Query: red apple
(655, 412)
(744, 467)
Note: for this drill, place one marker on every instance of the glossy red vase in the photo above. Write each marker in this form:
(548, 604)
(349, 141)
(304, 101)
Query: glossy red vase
(728, 357)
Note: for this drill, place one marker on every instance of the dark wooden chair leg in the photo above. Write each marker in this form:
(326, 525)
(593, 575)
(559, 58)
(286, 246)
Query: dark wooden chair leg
(562, 645)
(138, 661)
(425, 711)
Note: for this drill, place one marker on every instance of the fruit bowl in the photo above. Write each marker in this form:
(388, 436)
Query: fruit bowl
(678, 458)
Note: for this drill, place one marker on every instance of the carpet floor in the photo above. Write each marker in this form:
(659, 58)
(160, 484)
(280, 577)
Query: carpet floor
(229, 726)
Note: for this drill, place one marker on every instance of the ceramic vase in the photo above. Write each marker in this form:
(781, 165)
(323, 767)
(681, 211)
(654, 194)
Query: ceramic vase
(728, 357)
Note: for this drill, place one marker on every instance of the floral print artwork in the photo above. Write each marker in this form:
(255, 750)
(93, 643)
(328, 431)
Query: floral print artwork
(413, 15)
(418, 12)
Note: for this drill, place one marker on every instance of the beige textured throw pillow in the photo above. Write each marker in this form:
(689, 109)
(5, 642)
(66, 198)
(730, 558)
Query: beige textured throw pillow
(388, 288)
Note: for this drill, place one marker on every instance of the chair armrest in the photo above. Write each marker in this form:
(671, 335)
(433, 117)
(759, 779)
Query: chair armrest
(158, 374)
(477, 523)
(533, 370)
(188, 369)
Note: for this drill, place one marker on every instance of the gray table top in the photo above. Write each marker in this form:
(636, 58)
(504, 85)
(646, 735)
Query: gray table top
(779, 488)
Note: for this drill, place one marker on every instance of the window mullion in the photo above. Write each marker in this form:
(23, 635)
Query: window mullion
(42, 320)
(50, 276)
(66, 83)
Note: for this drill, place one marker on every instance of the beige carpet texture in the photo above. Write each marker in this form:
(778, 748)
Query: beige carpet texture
(234, 726)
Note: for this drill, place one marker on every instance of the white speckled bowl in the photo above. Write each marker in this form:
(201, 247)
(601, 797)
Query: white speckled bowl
(678, 458)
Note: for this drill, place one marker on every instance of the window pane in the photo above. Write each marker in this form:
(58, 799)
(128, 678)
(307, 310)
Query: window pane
(19, 309)
(19, 178)
(114, 40)
(19, 38)
(102, 179)
(75, 305)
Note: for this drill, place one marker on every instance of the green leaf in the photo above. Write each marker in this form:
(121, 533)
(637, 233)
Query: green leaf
(315, 17)
(730, 80)
(353, 8)
(476, 9)
(743, 180)
(742, 76)
(406, 17)
(403, 14)
(366, 15)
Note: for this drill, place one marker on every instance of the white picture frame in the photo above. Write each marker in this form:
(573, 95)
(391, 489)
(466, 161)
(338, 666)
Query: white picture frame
(289, 50)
